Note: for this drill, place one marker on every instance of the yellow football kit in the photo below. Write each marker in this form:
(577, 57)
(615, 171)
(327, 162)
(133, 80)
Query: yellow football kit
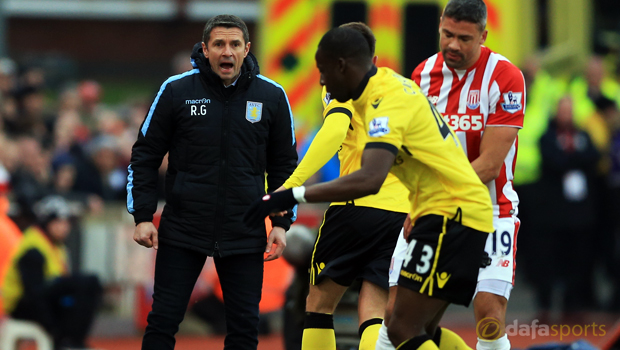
(429, 159)
(343, 129)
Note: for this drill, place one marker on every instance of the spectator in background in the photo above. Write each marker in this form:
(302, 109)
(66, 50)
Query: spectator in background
(32, 179)
(109, 122)
(32, 76)
(608, 182)
(39, 285)
(543, 92)
(99, 170)
(8, 76)
(32, 119)
(569, 160)
(133, 116)
(595, 83)
(8, 83)
(181, 63)
(30, 116)
(65, 173)
(90, 93)
(69, 122)
(66, 131)
(9, 154)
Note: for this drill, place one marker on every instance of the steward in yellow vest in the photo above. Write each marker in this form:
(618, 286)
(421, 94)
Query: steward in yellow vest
(38, 285)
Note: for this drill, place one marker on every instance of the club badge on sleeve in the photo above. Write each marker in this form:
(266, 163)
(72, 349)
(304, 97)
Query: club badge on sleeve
(378, 127)
(512, 101)
(253, 111)
(327, 99)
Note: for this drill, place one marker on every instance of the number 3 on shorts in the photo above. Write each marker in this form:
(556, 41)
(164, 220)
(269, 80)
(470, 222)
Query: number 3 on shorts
(425, 259)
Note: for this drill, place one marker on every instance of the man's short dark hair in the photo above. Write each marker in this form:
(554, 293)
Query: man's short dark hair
(365, 31)
(345, 42)
(226, 21)
(474, 11)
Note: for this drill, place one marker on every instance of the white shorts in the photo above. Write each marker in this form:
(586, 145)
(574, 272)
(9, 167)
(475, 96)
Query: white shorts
(497, 287)
(502, 248)
(499, 276)
(397, 259)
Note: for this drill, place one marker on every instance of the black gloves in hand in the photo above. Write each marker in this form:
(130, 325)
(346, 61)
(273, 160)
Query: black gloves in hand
(270, 203)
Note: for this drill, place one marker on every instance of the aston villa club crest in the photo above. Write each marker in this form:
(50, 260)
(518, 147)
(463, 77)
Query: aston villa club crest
(253, 111)
(473, 99)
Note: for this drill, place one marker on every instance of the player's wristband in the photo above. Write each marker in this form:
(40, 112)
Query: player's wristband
(299, 193)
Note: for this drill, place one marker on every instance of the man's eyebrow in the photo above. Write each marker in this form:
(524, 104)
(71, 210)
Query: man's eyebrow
(219, 40)
(462, 36)
(446, 31)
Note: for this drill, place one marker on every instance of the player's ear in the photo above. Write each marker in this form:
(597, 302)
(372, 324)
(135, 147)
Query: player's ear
(374, 60)
(484, 36)
(341, 64)
(247, 49)
(205, 51)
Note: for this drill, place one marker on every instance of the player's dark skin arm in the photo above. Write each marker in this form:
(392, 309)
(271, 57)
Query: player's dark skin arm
(376, 164)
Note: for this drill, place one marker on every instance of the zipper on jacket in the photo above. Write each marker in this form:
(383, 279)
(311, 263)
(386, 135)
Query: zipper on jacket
(221, 194)
(216, 250)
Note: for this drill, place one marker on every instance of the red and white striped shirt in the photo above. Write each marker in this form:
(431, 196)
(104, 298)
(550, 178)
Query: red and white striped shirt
(490, 93)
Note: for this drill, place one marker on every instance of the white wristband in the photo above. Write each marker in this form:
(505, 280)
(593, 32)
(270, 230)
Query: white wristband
(299, 193)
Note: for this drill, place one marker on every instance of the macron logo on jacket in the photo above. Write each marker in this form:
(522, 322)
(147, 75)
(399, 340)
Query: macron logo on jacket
(198, 101)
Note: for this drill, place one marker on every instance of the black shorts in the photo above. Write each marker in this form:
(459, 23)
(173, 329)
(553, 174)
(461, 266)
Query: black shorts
(355, 242)
(443, 259)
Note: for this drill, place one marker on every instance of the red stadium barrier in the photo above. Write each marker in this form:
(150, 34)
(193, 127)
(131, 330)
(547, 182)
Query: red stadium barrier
(613, 342)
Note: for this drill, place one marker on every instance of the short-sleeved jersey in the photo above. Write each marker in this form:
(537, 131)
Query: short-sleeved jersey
(429, 158)
(490, 93)
(393, 194)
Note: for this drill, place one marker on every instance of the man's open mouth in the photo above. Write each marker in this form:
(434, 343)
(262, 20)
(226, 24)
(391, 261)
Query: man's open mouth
(226, 66)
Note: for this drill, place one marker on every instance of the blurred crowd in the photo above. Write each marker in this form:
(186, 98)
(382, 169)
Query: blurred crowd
(62, 142)
(568, 179)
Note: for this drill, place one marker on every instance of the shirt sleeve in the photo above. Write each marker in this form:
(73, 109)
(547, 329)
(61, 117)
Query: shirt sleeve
(507, 97)
(336, 121)
(386, 125)
(323, 147)
(146, 156)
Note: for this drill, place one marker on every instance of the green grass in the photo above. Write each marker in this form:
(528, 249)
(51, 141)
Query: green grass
(117, 92)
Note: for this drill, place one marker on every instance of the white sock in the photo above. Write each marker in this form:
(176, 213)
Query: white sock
(498, 344)
(383, 342)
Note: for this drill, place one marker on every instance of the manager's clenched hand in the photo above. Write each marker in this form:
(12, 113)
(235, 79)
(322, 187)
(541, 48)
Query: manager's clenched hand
(146, 235)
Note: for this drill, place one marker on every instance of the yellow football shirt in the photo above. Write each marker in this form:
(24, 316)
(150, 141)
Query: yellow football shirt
(393, 194)
(429, 159)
